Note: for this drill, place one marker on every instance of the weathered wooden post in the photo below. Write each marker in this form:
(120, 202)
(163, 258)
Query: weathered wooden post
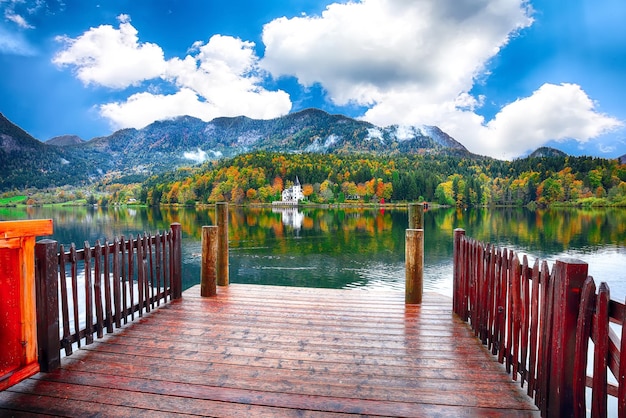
(18, 327)
(222, 243)
(208, 272)
(414, 264)
(177, 274)
(47, 283)
(416, 215)
(570, 276)
(456, 292)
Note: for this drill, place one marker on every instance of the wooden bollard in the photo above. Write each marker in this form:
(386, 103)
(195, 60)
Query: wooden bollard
(414, 253)
(208, 273)
(416, 216)
(222, 243)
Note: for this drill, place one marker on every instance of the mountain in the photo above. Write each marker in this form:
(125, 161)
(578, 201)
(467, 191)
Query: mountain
(183, 141)
(547, 152)
(186, 140)
(26, 162)
(65, 140)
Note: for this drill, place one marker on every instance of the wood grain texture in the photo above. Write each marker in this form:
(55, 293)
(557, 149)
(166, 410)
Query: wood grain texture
(277, 351)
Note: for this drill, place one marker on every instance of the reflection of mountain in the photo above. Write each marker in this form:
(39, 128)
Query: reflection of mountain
(291, 216)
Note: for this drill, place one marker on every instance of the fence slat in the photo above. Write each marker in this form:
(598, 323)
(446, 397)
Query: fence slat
(525, 305)
(583, 332)
(502, 303)
(88, 296)
(65, 316)
(98, 288)
(108, 314)
(131, 277)
(621, 378)
(534, 330)
(146, 276)
(74, 272)
(140, 277)
(601, 349)
(116, 283)
(150, 271)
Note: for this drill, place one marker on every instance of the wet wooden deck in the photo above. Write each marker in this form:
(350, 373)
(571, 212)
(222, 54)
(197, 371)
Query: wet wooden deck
(278, 351)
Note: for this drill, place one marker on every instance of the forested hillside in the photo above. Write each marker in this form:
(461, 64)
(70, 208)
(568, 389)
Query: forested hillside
(450, 180)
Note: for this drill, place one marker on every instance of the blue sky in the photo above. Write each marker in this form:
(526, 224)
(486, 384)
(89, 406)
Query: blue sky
(503, 77)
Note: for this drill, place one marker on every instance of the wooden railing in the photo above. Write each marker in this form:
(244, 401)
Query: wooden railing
(539, 324)
(101, 288)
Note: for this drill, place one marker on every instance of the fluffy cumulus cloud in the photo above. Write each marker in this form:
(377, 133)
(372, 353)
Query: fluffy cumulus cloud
(371, 51)
(219, 78)
(553, 112)
(111, 57)
(414, 62)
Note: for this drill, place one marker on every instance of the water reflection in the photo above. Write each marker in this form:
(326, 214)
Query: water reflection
(291, 216)
(355, 247)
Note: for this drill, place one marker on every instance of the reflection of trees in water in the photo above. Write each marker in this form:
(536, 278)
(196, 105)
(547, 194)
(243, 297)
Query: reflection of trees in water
(346, 245)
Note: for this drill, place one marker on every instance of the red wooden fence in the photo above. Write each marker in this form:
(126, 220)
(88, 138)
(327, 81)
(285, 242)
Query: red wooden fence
(539, 324)
(108, 284)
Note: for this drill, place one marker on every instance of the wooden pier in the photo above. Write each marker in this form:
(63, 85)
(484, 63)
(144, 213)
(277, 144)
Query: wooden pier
(277, 351)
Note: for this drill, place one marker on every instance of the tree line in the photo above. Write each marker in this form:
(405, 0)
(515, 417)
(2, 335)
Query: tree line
(261, 176)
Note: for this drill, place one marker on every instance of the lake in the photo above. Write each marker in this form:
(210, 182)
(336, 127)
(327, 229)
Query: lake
(356, 247)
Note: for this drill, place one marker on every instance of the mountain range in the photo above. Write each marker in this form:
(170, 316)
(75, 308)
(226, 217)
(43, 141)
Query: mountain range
(183, 141)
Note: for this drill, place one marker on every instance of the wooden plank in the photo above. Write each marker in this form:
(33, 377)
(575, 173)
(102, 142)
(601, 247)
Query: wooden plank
(242, 353)
(329, 403)
(164, 404)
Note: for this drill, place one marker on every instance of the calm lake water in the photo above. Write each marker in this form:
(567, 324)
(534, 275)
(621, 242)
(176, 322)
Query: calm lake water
(353, 247)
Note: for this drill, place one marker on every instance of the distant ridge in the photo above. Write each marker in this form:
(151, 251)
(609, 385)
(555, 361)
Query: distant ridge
(65, 140)
(547, 152)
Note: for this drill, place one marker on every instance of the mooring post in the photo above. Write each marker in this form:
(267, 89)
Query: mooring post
(208, 273)
(47, 288)
(416, 215)
(456, 266)
(414, 264)
(570, 276)
(222, 243)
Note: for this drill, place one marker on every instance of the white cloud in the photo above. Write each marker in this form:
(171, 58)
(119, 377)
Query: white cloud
(225, 73)
(111, 57)
(221, 79)
(197, 156)
(141, 109)
(552, 112)
(18, 20)
(370, 51)
(415, 62)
